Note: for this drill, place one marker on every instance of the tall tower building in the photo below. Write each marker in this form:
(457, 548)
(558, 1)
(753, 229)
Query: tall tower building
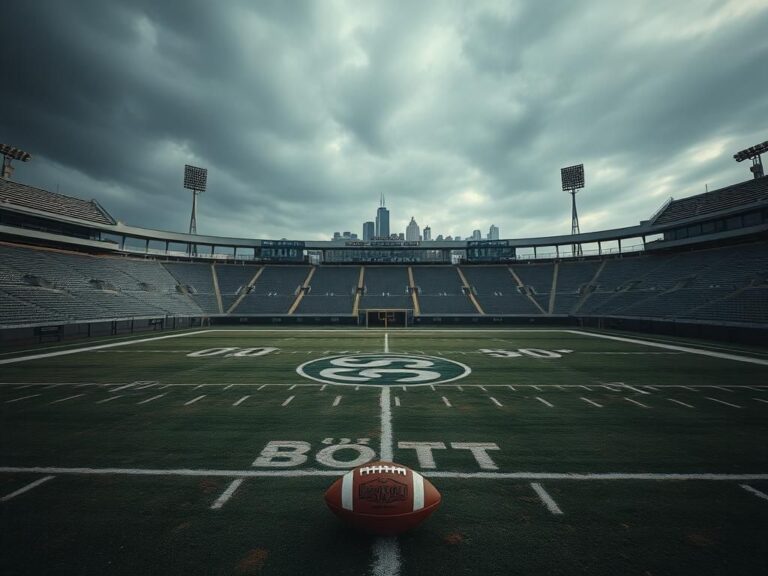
(369, 231)
(412, 231)
(493, 233)
(382, 220)
(427, 233)
(476, 235)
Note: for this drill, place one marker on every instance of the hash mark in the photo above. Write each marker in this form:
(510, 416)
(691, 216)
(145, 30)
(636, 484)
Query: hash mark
(635, 402)
(540, 399)
(679, 402)
(722, 402)
(243, 399)
(194, 400)
(288, 401)
(591, 402)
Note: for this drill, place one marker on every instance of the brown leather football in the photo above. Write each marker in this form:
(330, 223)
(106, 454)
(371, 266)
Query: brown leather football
(383, 498)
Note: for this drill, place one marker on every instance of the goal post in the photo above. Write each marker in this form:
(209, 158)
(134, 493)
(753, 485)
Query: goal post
(388, 318)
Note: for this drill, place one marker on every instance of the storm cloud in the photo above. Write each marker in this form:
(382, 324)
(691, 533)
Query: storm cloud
(305, 112)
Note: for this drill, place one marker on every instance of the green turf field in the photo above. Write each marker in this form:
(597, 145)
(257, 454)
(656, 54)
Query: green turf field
(556, 452)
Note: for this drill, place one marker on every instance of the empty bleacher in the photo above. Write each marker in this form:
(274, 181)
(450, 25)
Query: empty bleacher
(275, 290)
(197, 280)
(386, 287)
(233, 281)
(331, 291)
(497, 292)
(440, 291)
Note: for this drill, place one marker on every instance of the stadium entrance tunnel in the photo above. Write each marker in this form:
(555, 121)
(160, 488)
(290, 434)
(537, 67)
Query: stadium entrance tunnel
(383, 369)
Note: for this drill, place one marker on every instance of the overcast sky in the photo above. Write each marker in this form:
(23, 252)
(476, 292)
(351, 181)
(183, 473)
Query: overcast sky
(305, 112)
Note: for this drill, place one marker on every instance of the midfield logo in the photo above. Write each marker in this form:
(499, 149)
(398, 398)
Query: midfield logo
(383, 369)
(382, 491)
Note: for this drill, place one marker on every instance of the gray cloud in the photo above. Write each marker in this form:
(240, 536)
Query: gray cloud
(305, 113)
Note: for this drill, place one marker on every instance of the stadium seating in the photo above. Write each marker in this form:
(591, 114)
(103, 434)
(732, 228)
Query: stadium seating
(331, 291)
(497, 292)
(197, 281)
(233, 281)
(44, 201)
(386, 287)
(724, 284)
(275, 290)
(440, 291)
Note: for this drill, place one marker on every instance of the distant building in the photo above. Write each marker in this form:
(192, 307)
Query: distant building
(476, 235)
(439, 238)
(448, 238)
(337, 235)
(412, 231)
(369, 230)
(399, 236)
(493, 233)
(382, 220)
(344, 236)
(427, 233)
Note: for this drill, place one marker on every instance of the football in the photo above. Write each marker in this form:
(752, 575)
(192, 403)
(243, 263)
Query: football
(383, 498)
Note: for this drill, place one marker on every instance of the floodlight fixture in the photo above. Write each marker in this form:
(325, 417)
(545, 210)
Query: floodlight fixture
(753, 153)
(11, 153)
(195, 179)
(572, 178)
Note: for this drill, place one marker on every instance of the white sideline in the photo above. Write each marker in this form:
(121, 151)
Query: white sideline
(227, 494)
(26, 488)
(99, 347)
(311, 472)
(546, 498)
(709, 353)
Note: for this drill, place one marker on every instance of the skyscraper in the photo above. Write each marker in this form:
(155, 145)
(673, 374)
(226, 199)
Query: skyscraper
(493, 233)
(476, 235)
(382, 220)
(369, 231)
(427, 233)
(412, 231)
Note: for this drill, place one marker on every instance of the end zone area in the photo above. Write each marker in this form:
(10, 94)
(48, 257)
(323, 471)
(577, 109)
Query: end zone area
(556, 451)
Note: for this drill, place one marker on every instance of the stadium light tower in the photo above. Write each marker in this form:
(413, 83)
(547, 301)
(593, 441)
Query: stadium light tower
(573, 180)
(9, 155)
(195, 179)
(753, 153)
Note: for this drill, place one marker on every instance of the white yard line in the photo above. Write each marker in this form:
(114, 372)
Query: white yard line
(323, 387)
(635, 402)
(635, 389)
(511, 387)
(187, 403)
(499, 404)
(688, 349)
(110, 399)
(146, 386)
(723, 402)
(292, 387)
(459, 388)
(121, 388)
(288, 400)
(755, 491)
(251, 473)
(761, 400)
(483, 389)
(722, 388)
(446, 402)
(386, 451)
(67, 398)
(24, 386)
(195, 388)
(227, 387)
(227, 494)
(535, 387)
(151, 399)
(91, 348)
(26, 488)
(546, 498)
(591, 402)
(21, 398)
(680, 402)
(432, 387)
(540, 399)
(337, 400)
(386, 557)
(652, 388)
(397, 401)
(243, 399)
(386, 343)
(261, 387)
